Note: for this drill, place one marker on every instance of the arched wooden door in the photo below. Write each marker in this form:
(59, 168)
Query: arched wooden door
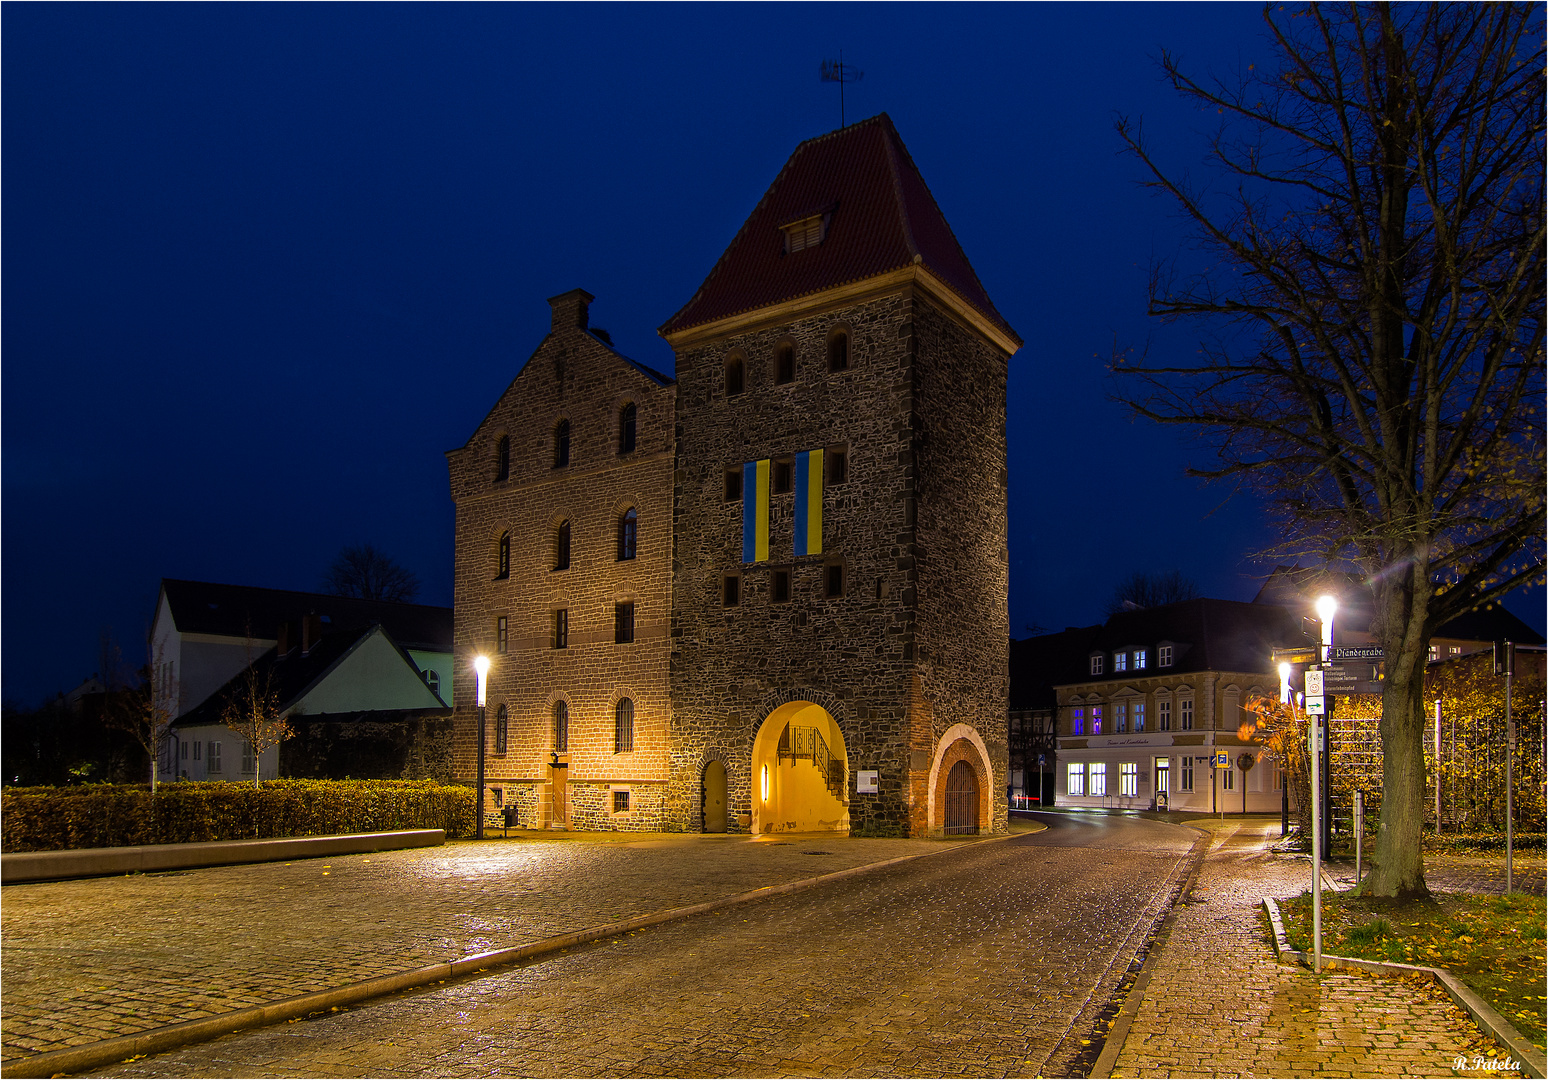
(961, 800)
(713, 797)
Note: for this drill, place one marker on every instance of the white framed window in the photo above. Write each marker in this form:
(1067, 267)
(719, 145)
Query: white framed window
(1185, 773)
(1075, 784)
(1434, 652)
(1128, 778)
(1139, 716)
(215, 755)
(1456, 650)
(1164, 656)
(1098, 778)
(1164, 715)
(1163, 775)
(1096, 665)
(1141, 656)
(1228, 779)
(1096, 719)
(1185, 713)
(1120, 661)
(1120, 717)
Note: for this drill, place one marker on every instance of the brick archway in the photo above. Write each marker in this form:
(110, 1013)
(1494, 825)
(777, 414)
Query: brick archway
(960, 743)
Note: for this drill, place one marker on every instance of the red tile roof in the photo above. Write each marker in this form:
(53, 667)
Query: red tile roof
(884, 219)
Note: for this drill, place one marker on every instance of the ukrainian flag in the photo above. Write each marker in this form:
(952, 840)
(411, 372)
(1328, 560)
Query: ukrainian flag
(755, 511)
(808, 503)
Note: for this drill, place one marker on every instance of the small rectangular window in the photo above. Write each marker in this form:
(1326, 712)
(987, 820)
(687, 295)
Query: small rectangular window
(733, 488)
(833, 580)
(562, 629)
(1185, 774)
(1164, 656)
(1185, 713)
(1076, 784)
(499, 797)
(1120, 718)
(803, 234)
(1098, 778)
(502, 634)
(733, 377)
(1139, 716)
(215, 757)
(784, 364)
(1228, 779)
(1096, 719)
(1120, 661)
(1164, 715)
(623, 623)
(183, 751)
(730, 590)
(620, 802)
(1140, 656)
(1096, 665)
(197, 748)
(1128, 779)
(779, 585)
(1077, 721)
(502, 730)
(784, 477)
(837, 460)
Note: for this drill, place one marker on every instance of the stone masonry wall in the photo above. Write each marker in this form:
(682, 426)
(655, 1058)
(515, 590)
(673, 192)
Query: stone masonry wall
(572, 375)
(961, 559)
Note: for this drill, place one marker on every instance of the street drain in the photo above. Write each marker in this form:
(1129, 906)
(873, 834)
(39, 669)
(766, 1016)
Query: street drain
(816, 853)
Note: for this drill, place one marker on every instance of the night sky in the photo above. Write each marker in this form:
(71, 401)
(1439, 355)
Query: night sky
(265, 265)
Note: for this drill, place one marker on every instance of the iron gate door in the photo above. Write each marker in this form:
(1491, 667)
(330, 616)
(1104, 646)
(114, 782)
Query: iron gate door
(961, 800)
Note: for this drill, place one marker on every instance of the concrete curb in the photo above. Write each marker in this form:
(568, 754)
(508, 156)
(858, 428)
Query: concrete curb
(1484, 1015)
(27, 867)
(159, 1040)
(1118, 1034)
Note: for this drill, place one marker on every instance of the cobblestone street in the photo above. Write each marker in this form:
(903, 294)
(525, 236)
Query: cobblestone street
(995, 959)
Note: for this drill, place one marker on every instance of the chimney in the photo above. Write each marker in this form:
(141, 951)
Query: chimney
(570, 310)
(311, 632)
(282, 642)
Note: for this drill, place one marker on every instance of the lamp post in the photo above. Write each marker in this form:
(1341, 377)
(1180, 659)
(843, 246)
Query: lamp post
(1327, 608)
(481, 665)
(1284, 785)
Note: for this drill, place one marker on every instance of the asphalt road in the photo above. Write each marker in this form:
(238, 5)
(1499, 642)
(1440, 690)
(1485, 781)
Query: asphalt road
(995, 960)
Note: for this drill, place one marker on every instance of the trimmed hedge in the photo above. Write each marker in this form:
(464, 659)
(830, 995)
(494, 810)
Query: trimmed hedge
(119, 815)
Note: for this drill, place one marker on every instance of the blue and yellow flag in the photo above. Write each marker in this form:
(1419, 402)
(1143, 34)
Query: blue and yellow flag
(808, 503)
(755, 511)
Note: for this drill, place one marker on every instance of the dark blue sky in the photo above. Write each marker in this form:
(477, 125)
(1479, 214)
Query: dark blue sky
(265, 264)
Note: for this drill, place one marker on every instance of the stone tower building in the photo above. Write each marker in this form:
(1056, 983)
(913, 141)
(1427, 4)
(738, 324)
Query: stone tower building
(821, 640)
(840, 583)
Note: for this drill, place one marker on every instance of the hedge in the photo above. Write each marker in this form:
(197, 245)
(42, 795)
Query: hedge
(117, 815)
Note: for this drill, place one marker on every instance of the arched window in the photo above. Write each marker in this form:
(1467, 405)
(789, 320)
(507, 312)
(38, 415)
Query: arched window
(735, 373)
(561, 727)
(503, 458)
(562, 546)
(503, 563)
(561, 444)
(626, 426)
(838, 351)
(628, 533)
(502, 729)
(623, 727)
(784, 363)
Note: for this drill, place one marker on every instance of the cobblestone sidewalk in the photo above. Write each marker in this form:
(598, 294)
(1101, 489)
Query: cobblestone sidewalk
(1219, 1004)
(90, 960)
(1484, 874)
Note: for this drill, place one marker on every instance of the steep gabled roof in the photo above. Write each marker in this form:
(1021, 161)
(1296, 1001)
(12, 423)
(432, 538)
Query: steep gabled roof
(204, 607)
(883, 218)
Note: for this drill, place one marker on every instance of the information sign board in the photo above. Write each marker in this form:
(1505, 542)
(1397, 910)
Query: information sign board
(1314, 705)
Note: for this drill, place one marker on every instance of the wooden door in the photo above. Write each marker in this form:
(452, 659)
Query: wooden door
(561, 796)
(714, 797)
(961, 800)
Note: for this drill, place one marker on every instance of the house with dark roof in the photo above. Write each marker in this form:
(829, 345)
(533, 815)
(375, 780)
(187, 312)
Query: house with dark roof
(770, 595)
(205, 634)
(357, 704)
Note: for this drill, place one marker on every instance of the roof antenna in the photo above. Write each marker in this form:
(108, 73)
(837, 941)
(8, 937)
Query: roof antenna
(841, 73)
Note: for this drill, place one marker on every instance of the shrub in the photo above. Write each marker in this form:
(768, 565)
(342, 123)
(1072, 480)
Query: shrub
(118, 815)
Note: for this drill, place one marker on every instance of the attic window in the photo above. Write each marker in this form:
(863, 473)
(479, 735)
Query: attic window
(806, 233)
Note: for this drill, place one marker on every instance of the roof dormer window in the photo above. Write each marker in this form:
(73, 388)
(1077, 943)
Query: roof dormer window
(806, 233)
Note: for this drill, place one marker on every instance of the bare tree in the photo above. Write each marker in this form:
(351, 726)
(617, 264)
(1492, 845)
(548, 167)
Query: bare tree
(1142, 590)
(366, 572)
(1374, 285)
(251, 710)
(143, 704)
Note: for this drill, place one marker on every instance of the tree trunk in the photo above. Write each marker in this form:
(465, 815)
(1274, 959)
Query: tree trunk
(1397, 869)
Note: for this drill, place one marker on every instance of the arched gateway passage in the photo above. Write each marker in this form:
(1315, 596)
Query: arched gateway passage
(799, 772)
(961, 816)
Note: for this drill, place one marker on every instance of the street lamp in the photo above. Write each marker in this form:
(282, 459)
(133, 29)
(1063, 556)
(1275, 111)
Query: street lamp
(481, 665)
(1284, 684)
(1327, 607)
